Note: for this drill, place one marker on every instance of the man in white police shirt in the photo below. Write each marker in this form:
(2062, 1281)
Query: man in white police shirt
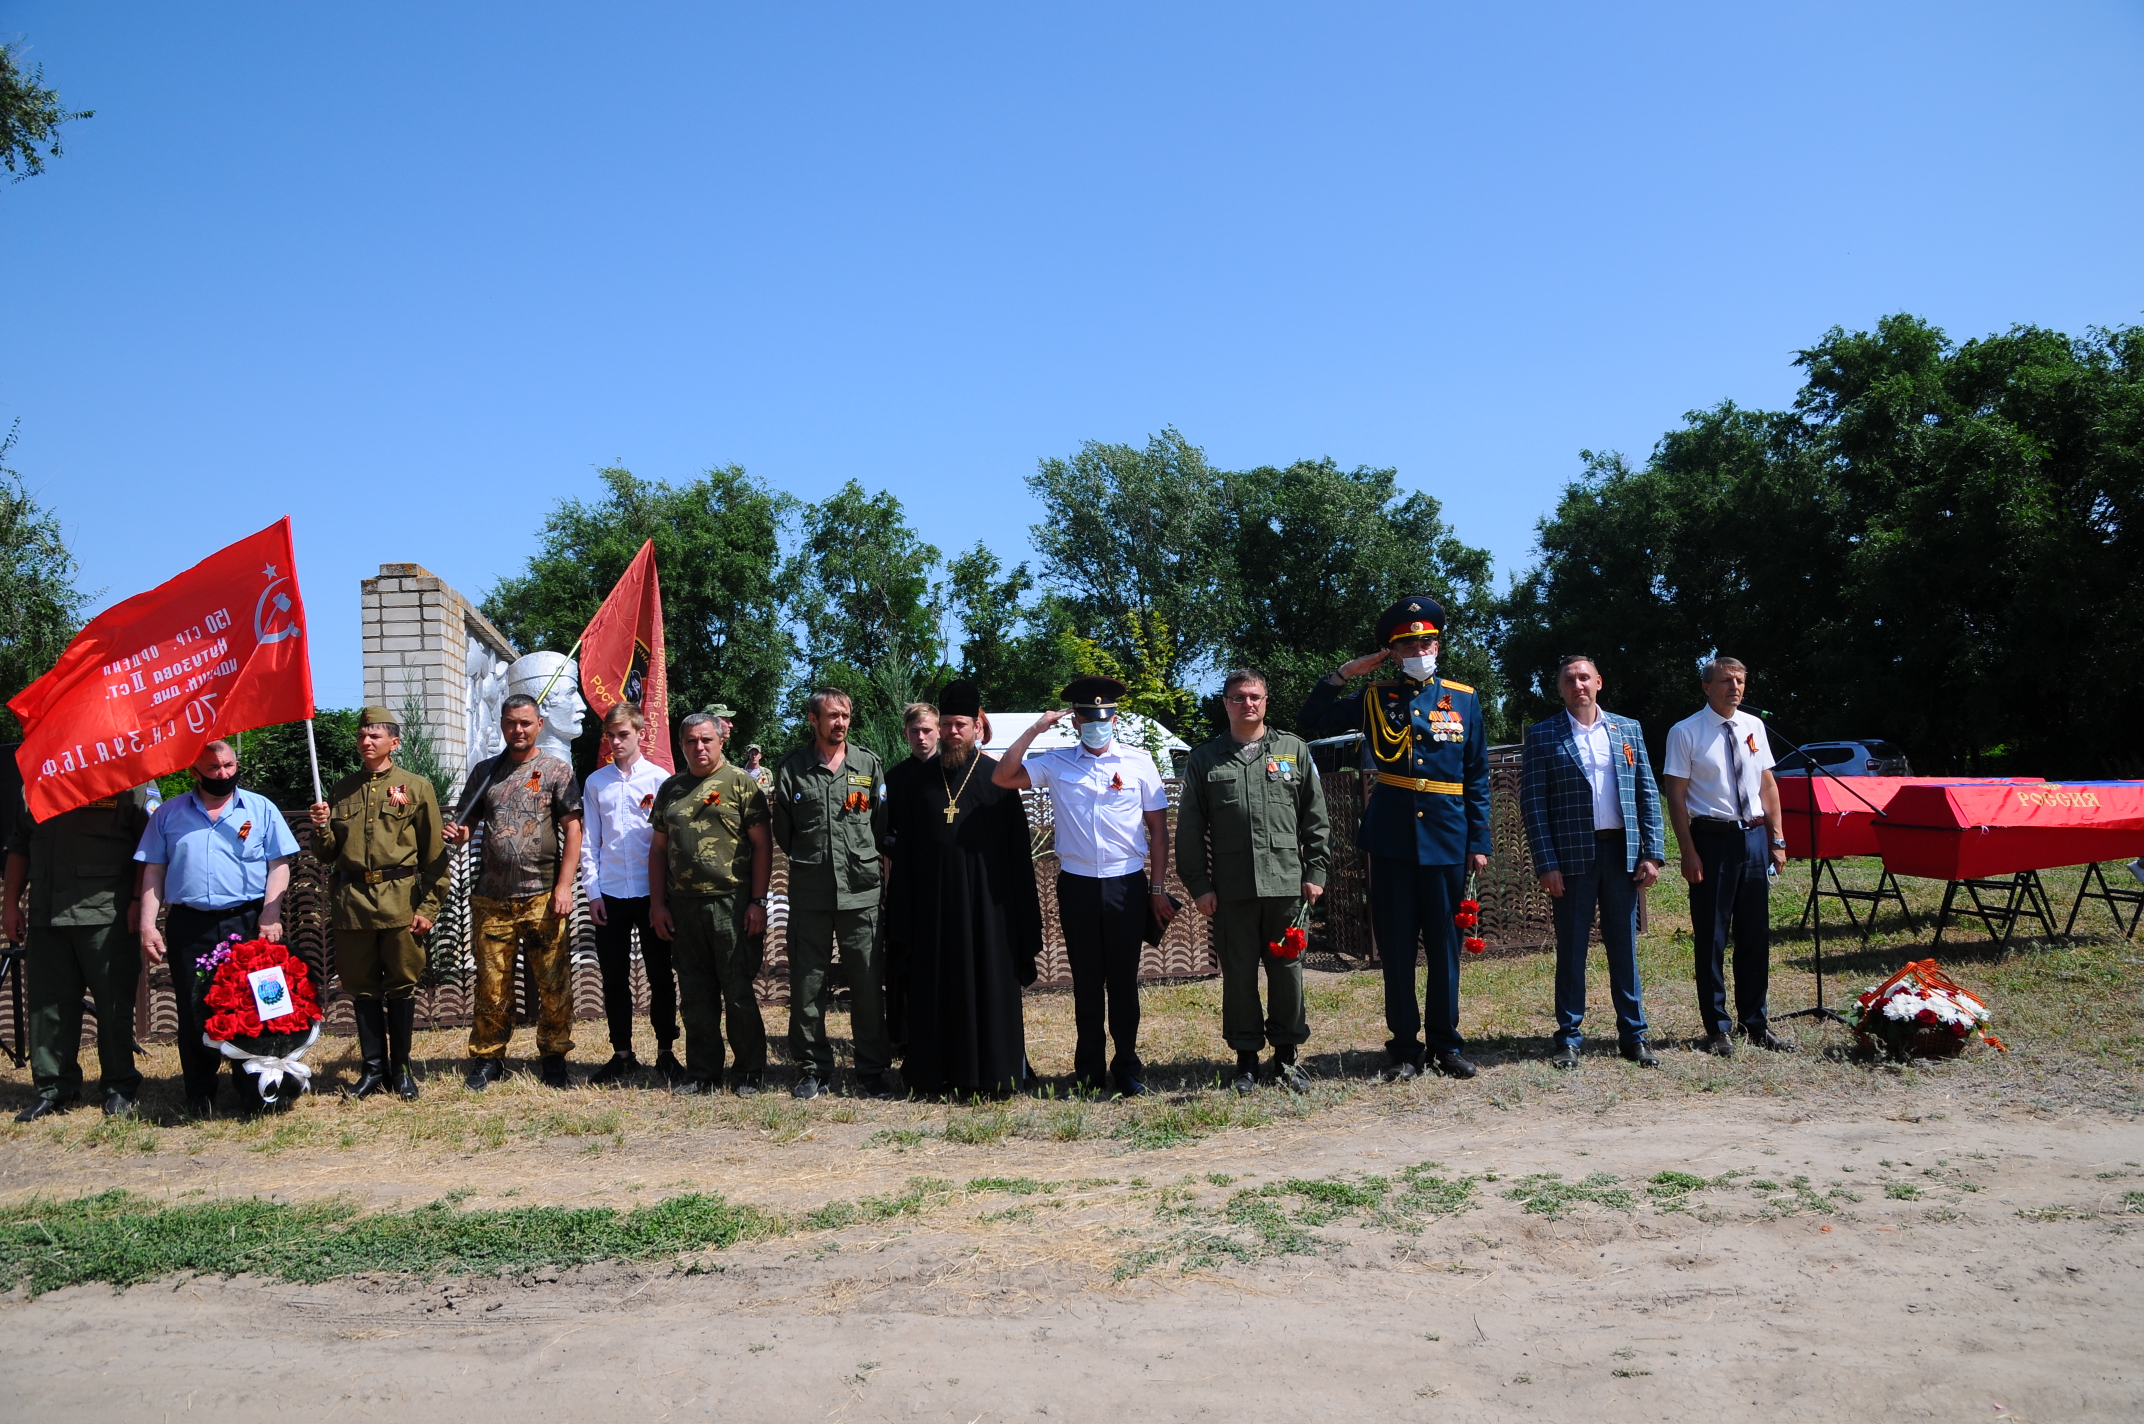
(1717, 780)
(1110, 812)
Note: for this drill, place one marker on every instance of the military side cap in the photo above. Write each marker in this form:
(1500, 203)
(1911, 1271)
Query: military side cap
(961, 698)
(378, 717)
(1415, 616)
(1093, 692)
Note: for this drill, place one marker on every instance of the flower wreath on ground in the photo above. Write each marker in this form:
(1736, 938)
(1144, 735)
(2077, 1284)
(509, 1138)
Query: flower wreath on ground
(260, 1010)
(1920, 1012)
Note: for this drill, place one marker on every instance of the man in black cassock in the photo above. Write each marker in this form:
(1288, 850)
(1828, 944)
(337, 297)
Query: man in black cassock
(963, 908)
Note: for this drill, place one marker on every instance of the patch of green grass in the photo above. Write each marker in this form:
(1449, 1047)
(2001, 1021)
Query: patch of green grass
(2133, 1201)
(121, 1134)
(1015, 1186)
(1279, 1219)
(900, 1138)
(978, 1129)
(123, 1239)
(1671, 1191)
(1174, 1124)
(1548, 1194)
(921, 1195)
(1901, 1191)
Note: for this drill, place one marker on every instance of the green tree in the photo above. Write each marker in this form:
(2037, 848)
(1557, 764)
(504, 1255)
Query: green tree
(1133, 544)
(40, 608)
(30, 114)
(274, 761)
(718, 552)
(1314, 553)
(1015, 649)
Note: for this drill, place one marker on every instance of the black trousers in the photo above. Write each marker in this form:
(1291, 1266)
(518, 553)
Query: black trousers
(1104, 923)
(188, 934)
(1733, 900)
(614, 955)
(1411, 908)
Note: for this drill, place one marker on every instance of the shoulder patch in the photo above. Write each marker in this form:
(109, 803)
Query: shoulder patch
(1458, 687)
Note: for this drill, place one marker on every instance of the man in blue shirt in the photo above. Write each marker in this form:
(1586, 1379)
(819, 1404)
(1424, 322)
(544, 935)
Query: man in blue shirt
(220, 857)
(1426, 826)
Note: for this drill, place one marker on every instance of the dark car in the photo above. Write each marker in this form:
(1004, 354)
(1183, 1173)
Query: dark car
(1847, 759)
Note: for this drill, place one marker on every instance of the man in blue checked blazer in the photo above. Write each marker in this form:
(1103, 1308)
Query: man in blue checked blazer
(1593, 824)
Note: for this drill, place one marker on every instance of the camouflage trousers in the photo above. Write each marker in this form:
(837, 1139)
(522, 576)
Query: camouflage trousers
(502, 927)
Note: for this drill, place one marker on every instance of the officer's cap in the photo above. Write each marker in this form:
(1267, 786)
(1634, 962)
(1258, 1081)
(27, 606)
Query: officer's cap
(379, 717)
(1096, 692)
(1415, 616)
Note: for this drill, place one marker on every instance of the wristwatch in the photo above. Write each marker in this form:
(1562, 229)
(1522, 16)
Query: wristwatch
(1779, 842)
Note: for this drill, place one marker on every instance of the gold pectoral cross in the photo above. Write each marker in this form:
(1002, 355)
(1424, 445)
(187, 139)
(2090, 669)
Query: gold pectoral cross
(952, 809)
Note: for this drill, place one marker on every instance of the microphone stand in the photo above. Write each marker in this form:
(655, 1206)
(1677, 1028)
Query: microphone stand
(1816, 858)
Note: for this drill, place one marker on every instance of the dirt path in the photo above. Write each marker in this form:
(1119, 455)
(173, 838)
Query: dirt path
(1957, 1267)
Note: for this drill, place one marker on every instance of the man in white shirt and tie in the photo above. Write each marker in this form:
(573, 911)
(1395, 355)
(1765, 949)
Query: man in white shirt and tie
(617, 803)
(1724, 804)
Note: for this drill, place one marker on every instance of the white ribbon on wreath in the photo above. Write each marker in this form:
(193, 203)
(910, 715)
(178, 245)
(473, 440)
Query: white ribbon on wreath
(270, 1070)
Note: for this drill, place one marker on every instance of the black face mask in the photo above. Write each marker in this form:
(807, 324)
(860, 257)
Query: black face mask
(216, 785)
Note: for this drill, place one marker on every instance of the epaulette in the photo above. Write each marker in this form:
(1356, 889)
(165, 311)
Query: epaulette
(1451, 686)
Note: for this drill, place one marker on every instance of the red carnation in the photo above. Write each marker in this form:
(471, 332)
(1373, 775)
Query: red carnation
(1476, 946)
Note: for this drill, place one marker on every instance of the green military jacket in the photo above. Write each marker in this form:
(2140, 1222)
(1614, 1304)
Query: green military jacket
(380, 822)
(706, 822)
(82, 861)
(832, 826)
(1266, 818)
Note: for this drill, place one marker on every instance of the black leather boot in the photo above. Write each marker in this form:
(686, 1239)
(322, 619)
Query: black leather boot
(371, 1046)
(401, 1023)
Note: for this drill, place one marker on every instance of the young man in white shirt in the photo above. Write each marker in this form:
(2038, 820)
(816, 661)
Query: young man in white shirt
(617, 803)
(1110, 812)
(1724, 804)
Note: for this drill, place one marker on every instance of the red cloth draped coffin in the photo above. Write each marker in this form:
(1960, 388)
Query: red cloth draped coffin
(1969, 830)
(1845, 826)
(216, 651)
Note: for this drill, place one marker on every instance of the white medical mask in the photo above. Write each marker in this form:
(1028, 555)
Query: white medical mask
(1096, 735)
(1421, 669)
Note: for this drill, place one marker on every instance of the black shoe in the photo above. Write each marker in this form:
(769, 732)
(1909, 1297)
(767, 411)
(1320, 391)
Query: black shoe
(1401, 1070)
(1290, 1075)
(1565, 1057)
(405, 1086)
(620, 1066)
(1719, 1045)
(118, 1104)
(1246, 1079)
(1763, 1037)
(746, 1088)
(1640, 1053)
(44, 1107)
(1130, 1088)
(486, 1072)
(372, 1080)
(552, 1067)
(199, 1107)
(370, 1016)
(807, 1087)
(668, 1068)
(1451, 1065)
(693, 1088)
(874, 1085)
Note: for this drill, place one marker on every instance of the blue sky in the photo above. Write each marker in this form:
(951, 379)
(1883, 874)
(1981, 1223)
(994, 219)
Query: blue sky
(409, 273)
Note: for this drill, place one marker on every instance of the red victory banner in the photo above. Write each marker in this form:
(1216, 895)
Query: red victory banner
(218, 650)
(622, 655)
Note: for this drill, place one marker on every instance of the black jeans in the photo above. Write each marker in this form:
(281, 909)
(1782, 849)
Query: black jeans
(188, 934)
(1104, 923)
(614, 955)
(1734, 899)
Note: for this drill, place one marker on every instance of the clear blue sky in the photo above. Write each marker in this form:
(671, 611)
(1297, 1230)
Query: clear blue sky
(409, 272)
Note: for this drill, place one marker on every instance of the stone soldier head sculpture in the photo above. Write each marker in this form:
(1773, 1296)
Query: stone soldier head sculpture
(562, 707)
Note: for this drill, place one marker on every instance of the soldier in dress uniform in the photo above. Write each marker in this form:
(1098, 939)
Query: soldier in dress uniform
(1255, 791)
(380, 831)
(71, 883)
(1426, 826)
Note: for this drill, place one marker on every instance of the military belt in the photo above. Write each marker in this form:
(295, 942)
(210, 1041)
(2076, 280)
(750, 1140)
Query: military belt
(378, 877)
(1421, 783)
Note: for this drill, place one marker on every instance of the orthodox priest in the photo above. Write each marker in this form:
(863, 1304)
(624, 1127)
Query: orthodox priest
(962, 910)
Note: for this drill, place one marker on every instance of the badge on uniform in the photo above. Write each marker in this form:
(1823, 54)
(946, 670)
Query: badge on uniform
(245, 830)
(398, 795)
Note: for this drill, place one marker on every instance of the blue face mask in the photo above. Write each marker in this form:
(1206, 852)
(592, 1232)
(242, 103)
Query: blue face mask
(1096, 735)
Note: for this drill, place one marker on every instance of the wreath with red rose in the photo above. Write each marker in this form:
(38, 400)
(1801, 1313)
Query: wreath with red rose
(232, 1012)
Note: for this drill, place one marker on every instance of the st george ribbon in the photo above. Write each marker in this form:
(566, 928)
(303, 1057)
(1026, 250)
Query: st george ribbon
(218, 650)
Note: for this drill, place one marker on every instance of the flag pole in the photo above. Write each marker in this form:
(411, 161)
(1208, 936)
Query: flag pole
(312, 749)
(546, 697)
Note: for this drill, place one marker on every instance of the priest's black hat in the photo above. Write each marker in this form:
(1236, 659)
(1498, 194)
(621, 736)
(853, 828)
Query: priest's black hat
(1093, 692)
(961, 698)
(1415, 616)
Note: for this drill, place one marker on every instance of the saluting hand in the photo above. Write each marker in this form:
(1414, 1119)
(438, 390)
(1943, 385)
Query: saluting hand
(1363, 666)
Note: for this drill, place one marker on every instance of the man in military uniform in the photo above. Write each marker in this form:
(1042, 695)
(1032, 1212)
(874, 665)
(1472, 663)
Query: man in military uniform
(380, 830)
(1426, 826)
(710, 839)
(71, 885)
(829, 807)
(1254, 791)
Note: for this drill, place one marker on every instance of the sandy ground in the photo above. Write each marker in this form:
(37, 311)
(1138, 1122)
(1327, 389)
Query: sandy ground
(1960, 1264)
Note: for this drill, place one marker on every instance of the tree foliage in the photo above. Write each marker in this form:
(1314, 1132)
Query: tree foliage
(40, 608)
(1015, 649)
(30, 115)
(1937, 545)
(718, 551)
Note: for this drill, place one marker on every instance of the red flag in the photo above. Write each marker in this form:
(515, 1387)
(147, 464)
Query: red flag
(216, 651)
(622, 656)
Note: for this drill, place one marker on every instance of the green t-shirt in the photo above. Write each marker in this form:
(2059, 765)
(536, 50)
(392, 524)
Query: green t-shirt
(708, 820)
